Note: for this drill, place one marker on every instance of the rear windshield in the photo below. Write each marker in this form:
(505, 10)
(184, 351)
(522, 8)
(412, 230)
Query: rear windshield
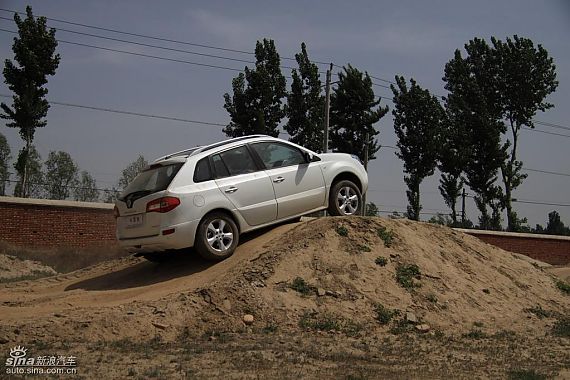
(154, 179)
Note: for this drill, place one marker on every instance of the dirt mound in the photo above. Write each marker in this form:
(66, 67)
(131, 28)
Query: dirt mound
(331, 296)
(14, 269)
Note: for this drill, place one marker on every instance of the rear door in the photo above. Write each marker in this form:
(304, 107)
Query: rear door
(299, 185)
(245, 185)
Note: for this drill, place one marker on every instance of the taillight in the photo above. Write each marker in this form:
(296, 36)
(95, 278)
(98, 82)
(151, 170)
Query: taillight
(116, 212)
(164, 204)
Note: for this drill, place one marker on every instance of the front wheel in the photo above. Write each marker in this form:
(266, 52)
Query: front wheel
(345, 199)
(217, 237)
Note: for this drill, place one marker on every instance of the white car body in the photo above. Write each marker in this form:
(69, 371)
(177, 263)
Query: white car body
(258, 198)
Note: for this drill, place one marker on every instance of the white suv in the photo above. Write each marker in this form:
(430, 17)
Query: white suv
(207, 196)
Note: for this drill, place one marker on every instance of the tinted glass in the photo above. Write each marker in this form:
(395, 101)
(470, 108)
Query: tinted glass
(154, 179)
(276, 155)
(220, 167)
(237, 161)
(202, 172)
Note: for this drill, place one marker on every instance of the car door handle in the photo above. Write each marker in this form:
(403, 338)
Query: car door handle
(278, 179)
(231, 189)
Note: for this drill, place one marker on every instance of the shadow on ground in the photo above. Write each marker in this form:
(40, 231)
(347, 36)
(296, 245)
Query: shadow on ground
(178, 264)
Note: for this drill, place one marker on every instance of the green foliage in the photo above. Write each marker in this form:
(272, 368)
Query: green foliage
(305, 104)
(342, 231)
(385, 235)
(353, 113)
(442, 220)
(555, 226)
(371, 209)
(526, 374)
(329, 322)
(418, 119)
(384, 315)
(563, 286)
(31, 163)
(256, 105)
(34, 53)
(60, 176)
(562, 327)
(4, 158)
(405, 275)
(540, 312)
(301, 286)
(495, 87)
(86, 190)
(431, 298)
(475, 334)
(363, 248)
(478, 118)
(131, 171)
(381, 261)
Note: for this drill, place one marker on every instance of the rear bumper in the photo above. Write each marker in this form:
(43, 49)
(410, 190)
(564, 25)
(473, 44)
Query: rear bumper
(183, 237)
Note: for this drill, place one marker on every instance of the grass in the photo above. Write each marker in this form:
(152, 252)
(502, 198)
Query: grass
(342, 231)
(329, 322)
(385, 235)
(381, 260)
(540, 312)
(475, 334)
(269, 328)
(65, 260)
(26, 277)
(563, 286)
(405, 275)
(385, 315)
(431, 298)
(301, 286)
(401, 326)
(364, 248)
(525, 374)
(562, 327)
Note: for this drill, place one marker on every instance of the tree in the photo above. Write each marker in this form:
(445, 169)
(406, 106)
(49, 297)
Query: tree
(418, 118)
(305, 104)
(34, 51)
(86, 189)
(4, 158)
(526, 75)
(372, 209)
(353, 114)
(555, 226)
(478, 117)
(61, 175)
(452, 158)
(34, 186)
(131, 171)
(256, 106)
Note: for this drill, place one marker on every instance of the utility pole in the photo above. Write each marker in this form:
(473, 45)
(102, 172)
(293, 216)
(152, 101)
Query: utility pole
(327, 109)
(366, 143)
(463, 208)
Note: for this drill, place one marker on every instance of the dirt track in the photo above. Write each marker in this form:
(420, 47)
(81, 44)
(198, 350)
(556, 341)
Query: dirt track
(314, 289)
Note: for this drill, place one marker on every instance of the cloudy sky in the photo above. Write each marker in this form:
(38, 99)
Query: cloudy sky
(410, 38)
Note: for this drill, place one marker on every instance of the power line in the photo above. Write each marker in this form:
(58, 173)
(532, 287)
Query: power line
(542, 203)
(545, 132)
(205, 46)
(130, 113)
(551, 125)
(546, 172)
(155, 46)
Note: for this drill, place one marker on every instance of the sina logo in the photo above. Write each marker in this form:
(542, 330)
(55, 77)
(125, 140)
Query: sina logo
(17, 357)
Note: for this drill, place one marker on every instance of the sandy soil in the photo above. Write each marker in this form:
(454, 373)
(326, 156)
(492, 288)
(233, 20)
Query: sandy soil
(318, 299)
(15, 269)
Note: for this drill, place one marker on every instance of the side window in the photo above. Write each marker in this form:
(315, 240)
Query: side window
(202, 172)
(235, 162)
(276, 155)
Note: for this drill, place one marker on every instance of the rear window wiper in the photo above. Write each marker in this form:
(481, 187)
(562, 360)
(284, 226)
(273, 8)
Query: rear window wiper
(137, 194)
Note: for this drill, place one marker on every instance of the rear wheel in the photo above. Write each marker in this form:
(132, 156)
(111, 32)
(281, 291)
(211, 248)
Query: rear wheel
(217, 236)
(345, 199)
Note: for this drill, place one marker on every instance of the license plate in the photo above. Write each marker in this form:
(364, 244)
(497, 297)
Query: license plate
(134, 221)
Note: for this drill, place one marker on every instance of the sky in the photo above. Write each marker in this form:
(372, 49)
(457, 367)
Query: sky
(409, 38)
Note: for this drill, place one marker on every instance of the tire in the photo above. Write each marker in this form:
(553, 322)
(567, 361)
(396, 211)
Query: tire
(345, 199)
(217, 236)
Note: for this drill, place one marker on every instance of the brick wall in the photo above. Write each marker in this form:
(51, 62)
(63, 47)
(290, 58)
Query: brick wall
(551, 249)
(43, 223)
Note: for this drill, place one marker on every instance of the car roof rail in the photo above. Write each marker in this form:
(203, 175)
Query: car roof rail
(199, 149)
(226, 142)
